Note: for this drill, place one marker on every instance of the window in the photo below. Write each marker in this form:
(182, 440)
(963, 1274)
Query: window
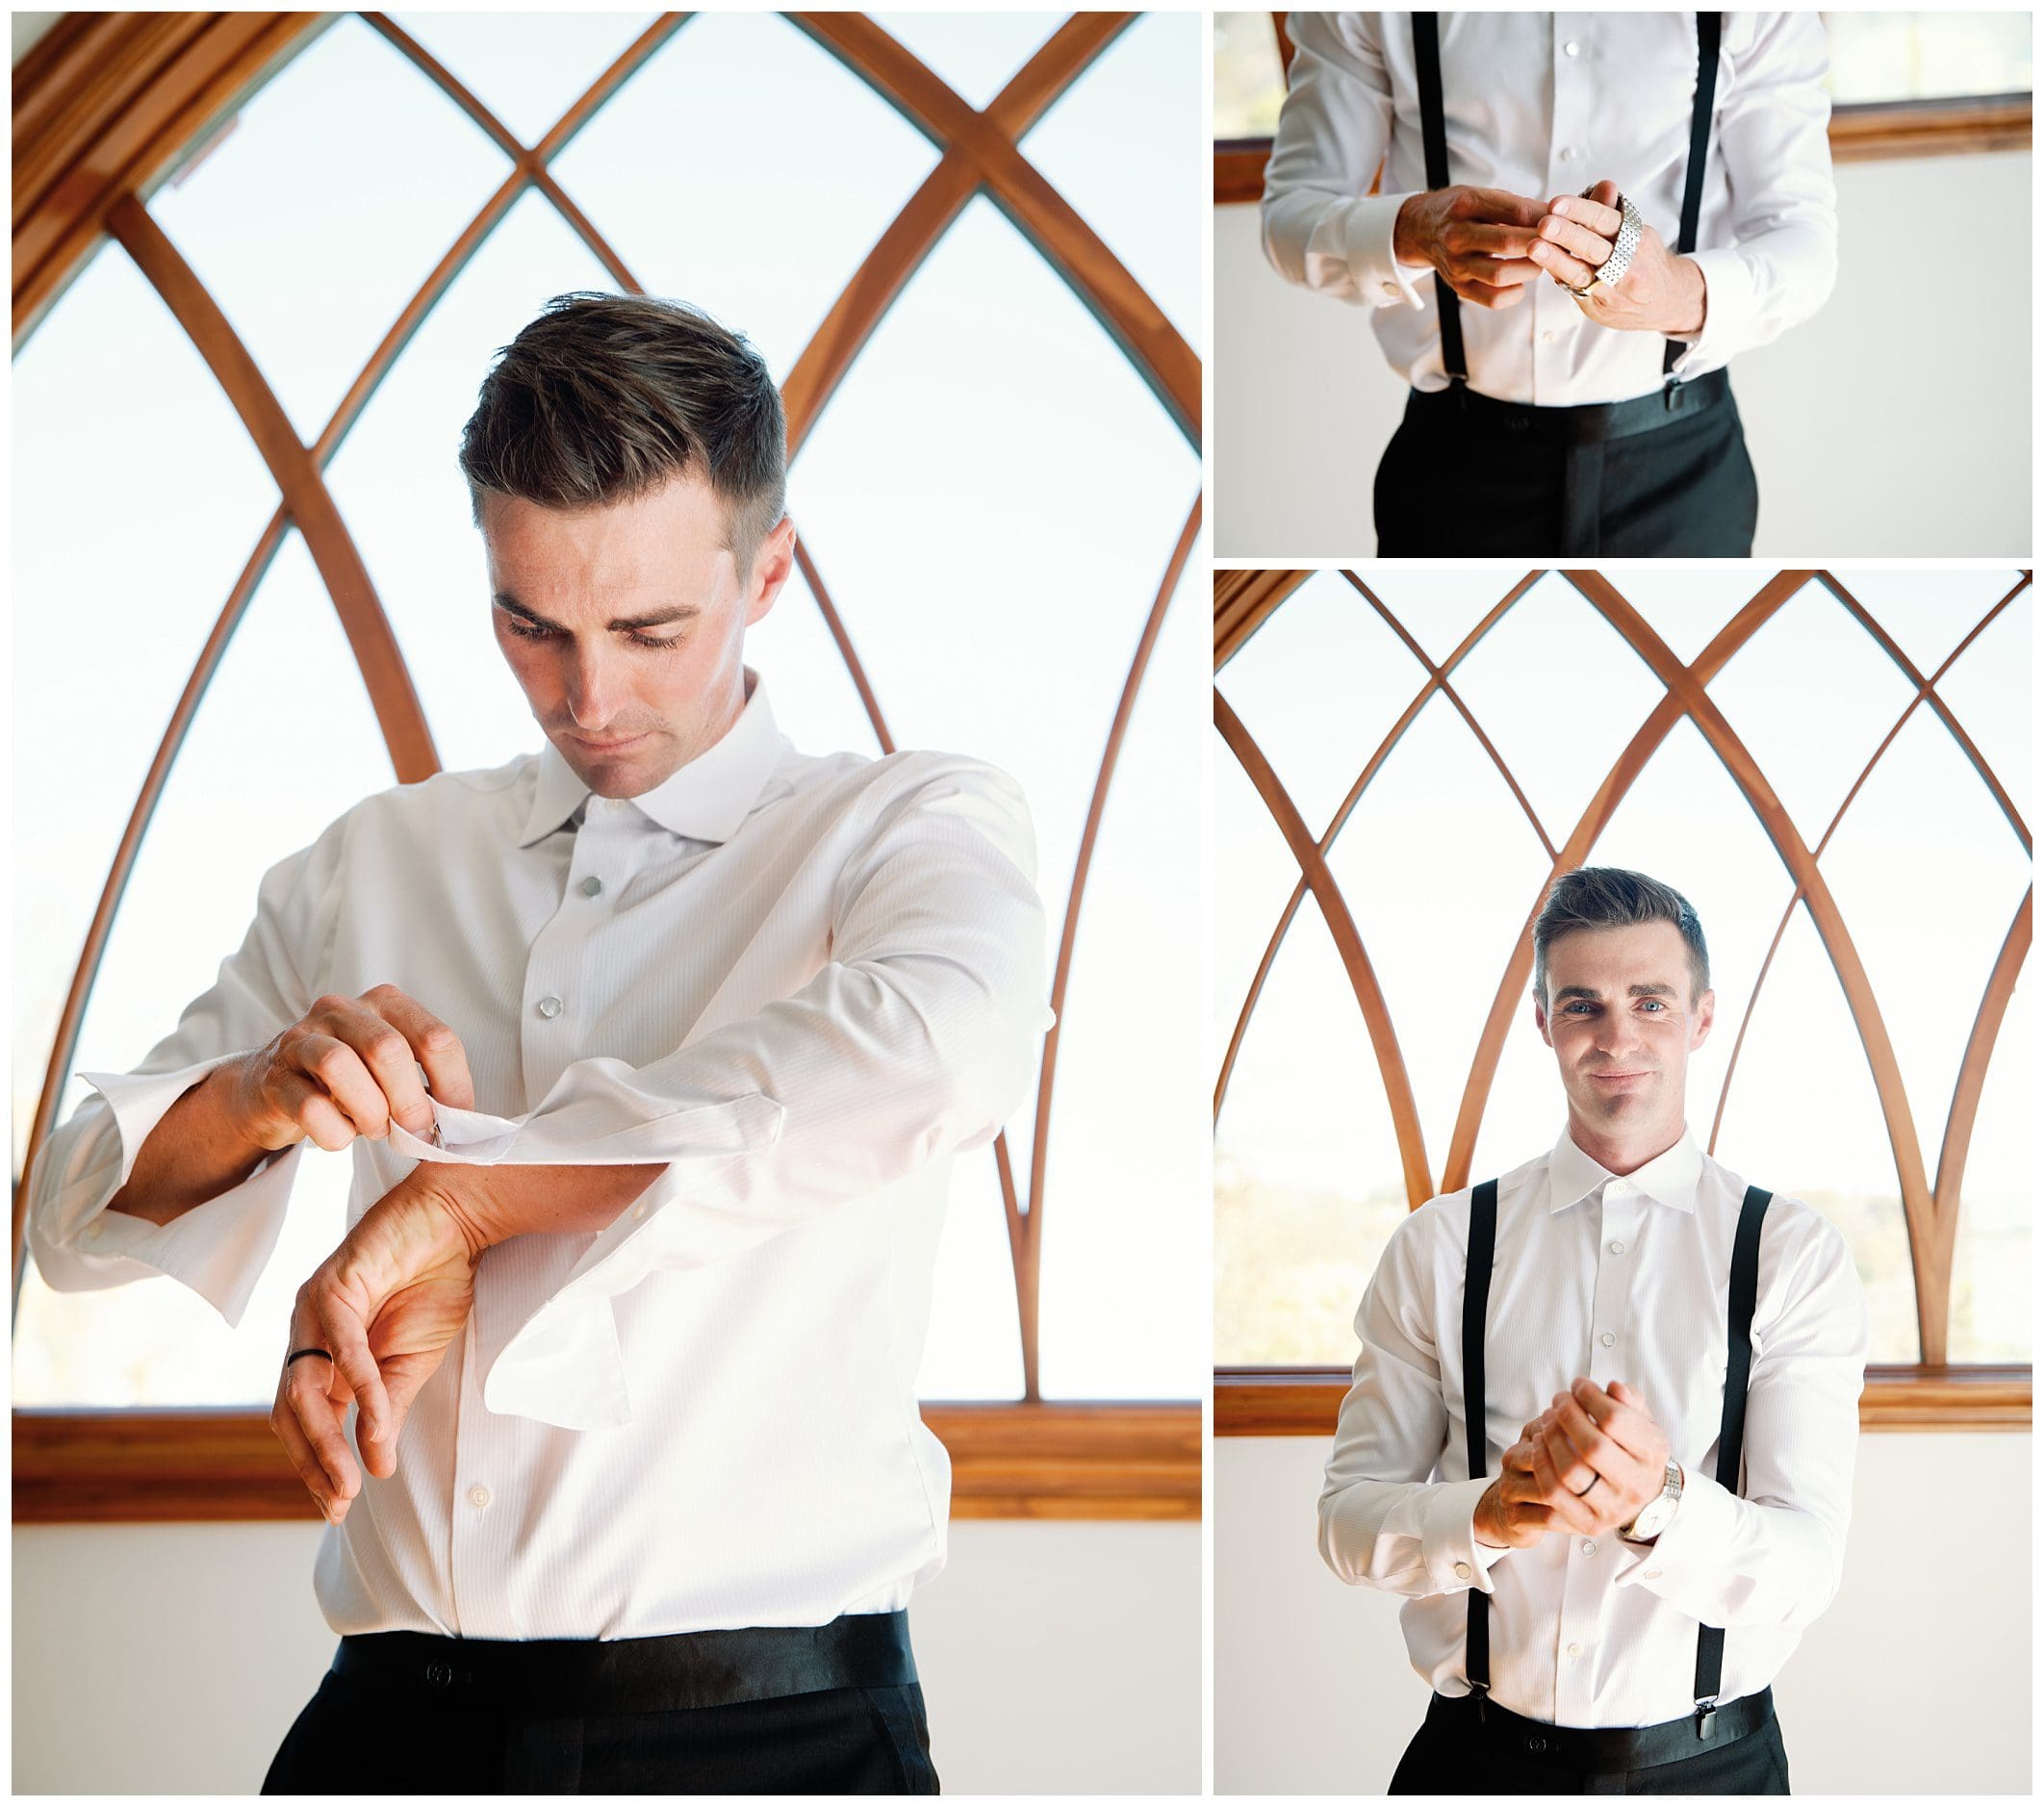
(936, 323)
(1832, 768)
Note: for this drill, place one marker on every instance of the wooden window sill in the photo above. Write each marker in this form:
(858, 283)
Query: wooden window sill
(1304, 1402)
(1046, 1461)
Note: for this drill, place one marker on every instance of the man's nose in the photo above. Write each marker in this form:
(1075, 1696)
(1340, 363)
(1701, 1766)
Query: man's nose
(588, 688)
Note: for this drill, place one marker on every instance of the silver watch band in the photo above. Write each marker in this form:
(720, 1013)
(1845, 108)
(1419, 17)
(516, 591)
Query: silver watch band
(1612, 271)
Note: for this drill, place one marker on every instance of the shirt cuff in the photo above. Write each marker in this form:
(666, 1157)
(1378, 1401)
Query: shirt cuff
(1691, 1543)
(1455, 1561)
(595, 1117)
(218, 1249)
(1360, 236)
(1728, 314)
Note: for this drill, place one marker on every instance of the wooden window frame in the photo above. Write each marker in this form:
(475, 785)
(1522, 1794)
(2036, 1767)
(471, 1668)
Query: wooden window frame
(1863, 132)
(1928, 1394)
(108, 106)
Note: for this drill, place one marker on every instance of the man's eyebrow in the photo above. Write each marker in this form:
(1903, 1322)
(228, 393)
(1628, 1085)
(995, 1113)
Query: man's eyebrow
(1655, 990)
(659, 618)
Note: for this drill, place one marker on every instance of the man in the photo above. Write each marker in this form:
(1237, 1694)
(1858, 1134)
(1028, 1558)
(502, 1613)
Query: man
(1613, 206)
(652, 1049)
(1601, 1606)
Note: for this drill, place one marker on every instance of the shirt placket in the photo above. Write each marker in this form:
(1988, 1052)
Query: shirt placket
(1612, 1355)
(1555, 319)
(552, 1012)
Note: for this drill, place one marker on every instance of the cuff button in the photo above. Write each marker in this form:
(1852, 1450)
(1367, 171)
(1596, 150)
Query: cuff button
(1462, 1570)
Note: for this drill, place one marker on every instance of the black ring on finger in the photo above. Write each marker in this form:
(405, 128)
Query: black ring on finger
(300, 1354)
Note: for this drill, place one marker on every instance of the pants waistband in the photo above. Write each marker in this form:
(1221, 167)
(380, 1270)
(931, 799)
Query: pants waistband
(576, 1677)
(1599, 1750)
(1590, 424)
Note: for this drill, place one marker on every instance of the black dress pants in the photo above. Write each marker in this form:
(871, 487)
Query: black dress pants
(1445, 1759)
(356, 1738)
(1458, 483)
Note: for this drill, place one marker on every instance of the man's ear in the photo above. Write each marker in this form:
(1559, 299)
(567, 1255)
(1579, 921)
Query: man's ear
(1540, 1019)
(772, 565)
(1706, 1015)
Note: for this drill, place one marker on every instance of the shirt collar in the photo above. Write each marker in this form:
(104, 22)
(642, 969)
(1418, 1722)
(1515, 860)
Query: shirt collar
(705, 800)
(1669, 1178)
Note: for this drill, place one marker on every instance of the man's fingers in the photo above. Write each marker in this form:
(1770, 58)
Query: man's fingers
(1502, 207)
(1557, 263)
(285, 1421)
(435, 1046)
(1601, 218)
(338, 1069)
(1482, 295)
(1598, 1452)
(307, 1105)
(318, 1422)
(1479, 238)
(346, 1336)
(1579, 241)
(1630, 1426)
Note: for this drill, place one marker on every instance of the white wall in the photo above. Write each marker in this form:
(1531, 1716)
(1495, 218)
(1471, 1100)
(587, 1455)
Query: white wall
(1055, 1657)
(1917, 1679)
(1894, 422)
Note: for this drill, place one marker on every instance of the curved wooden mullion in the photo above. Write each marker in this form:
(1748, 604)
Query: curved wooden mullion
(1348, 943)
(597, 94)
(1595, 816)
(914, 232)
(1973, 1069)
(1435, 679)
(814, 578)
(1067, 940)
(306, 496)
(1453, 696)
(1926, 687)
(65, 1041)
(529, 164)
(1243, 601)
(1094, 273)
(1930, 1253)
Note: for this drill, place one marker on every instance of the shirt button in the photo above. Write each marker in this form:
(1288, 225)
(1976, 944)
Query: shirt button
(1391, 287)
(479, 1496)
(94, 1230)
(592, 885)
(1572, 49)
(1568, 153)
(1462, 1569)
(1618, 1248)
(1575, 1649)
(1546, 338)
(1607, 1340)
(1653, 1575)
(549, 1006)
(1589, 1549)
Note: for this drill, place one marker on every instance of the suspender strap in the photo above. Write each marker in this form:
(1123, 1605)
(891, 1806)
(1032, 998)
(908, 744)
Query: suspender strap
(1709, 30)
(1475, 1307)
(1432, 134)
(1731, 1429)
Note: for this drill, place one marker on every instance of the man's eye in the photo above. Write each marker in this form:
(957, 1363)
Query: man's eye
(1652, 1004)
(524, 631)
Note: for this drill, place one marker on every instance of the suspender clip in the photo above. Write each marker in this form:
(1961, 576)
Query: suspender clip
(1707, 1714)
(1672, 395)
(1482, 1692)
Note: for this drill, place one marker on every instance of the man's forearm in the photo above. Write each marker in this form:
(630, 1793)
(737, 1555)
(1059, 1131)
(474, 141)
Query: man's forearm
(494, 1204)
(196, 1151)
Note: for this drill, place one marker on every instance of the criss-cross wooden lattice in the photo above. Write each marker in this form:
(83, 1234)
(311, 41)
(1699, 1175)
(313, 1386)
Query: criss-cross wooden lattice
(1244, 600)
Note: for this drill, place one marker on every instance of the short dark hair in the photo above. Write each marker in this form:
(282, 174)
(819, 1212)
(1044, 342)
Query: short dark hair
(1609, 897)
(604, 398)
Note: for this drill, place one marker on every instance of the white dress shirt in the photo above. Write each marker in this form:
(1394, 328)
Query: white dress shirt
(1543, 104)
(802, 982)
(1619, 1278)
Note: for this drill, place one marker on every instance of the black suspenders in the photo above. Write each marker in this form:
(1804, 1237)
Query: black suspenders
(1731, 1429)
(1433, 133)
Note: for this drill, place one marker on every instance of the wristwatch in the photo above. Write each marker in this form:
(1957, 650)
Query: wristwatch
(1654, 1516)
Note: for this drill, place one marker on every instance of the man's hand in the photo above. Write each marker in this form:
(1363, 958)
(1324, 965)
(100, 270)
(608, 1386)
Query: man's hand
(1659, 292)
(386, 1304)
(1609, 1437)
(1478, 239)
(397, 1290)
(349, 1067)
(1515, 1512)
